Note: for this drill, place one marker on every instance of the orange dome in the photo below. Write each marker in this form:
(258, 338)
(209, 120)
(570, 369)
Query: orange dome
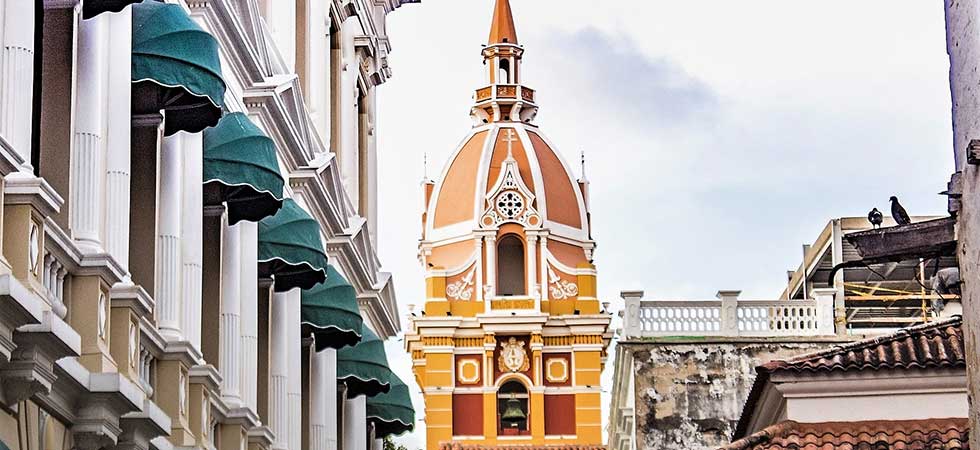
(463, 197)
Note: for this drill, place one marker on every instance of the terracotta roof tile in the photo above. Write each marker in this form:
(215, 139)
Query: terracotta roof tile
(934, 345)
(458, 446)
(931, 434)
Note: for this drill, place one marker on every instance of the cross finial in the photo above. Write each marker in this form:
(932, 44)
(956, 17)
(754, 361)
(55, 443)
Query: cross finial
(583, 164)
(425, 165)
(509, 138)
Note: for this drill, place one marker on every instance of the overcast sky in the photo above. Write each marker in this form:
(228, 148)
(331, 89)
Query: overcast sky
(720, 135)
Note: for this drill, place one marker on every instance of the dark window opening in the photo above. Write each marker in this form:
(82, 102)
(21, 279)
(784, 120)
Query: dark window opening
(510, 266)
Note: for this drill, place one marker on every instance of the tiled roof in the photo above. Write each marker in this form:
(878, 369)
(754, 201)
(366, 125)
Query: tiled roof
(931, 434)
(458, 446)
(933, 345)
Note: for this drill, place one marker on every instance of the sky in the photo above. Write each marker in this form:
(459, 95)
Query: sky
(720, 136)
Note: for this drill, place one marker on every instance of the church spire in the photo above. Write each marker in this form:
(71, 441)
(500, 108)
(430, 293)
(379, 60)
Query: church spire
(503, 31)
(504, 98)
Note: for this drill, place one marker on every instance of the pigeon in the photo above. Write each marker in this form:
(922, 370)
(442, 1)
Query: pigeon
(875, 218)
(898, 212)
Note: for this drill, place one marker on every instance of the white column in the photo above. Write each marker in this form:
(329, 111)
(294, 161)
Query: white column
(17, 77)
(280, 17)
(355, 423)
(118, 139)
(317, 76)
(323, 401)
(379, 444)
(88, 151)
(248, 233)
(192, 235)
(491, 282)
(479, 268)
(167, 280)
(230, 340)
(532, 251)
(294, 366)
(278, 369)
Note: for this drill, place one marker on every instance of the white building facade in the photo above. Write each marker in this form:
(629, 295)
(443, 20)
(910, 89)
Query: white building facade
(188, 243)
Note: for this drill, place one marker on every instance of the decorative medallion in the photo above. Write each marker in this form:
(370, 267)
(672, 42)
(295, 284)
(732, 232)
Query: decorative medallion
(510, 204)
(513, 357)
(556, 370)
(182, 393)
(468, 371)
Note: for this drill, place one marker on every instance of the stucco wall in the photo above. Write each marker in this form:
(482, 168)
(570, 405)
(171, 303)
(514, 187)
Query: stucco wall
(689, 395)
(963, 46)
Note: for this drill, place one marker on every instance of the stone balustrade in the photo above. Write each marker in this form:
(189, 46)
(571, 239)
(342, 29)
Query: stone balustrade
(727, 316)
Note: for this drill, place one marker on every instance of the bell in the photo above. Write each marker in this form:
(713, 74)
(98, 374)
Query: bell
(513, 413)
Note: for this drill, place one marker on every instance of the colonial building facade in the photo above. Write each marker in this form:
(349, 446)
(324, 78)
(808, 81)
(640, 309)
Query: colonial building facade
(188, 234)
(512, 339)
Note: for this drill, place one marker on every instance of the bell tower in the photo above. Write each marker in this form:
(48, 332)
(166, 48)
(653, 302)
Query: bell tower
(511, 341)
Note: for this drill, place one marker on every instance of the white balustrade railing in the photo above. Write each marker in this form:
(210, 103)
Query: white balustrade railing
(728, 316)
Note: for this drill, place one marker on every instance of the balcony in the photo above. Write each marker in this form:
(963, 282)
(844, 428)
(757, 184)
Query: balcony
(728, 316)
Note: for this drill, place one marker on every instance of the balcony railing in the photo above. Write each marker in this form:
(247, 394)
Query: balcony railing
(728, 316)
(505, 92)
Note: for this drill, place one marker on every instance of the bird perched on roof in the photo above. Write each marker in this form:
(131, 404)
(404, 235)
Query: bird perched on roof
(898, 212)
(875, 218)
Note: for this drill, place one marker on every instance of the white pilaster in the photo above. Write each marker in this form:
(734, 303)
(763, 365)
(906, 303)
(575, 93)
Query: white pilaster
(355, 423)
(118, 136)
(168, 310)
(278, 369)
(192, 235)
(369, 185)
(294, 388)
(230, 340)
(317, 75)
(323, 401)
(248, 233)
(349, 158)
(532, 252)
(88, 151)
(543, 244)
(479, 268)
(490, 244)
(17, 77)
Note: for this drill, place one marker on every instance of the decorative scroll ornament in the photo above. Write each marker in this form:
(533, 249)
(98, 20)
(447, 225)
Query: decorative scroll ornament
(462, 289)
(513, 357)
(560, 289)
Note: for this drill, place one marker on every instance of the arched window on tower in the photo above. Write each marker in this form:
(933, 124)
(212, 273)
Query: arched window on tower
(512, 409)
(510, 266)
(503, 75)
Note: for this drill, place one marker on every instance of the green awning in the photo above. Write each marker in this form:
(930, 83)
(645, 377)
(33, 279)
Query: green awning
(330, 313)
(392, 413)
(92, 8)
(290, 249)
(176, 68)
(364, 367)
(240, 161)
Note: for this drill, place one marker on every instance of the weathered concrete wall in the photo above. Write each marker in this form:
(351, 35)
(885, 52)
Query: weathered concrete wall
(963, 46)
(689, 395)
